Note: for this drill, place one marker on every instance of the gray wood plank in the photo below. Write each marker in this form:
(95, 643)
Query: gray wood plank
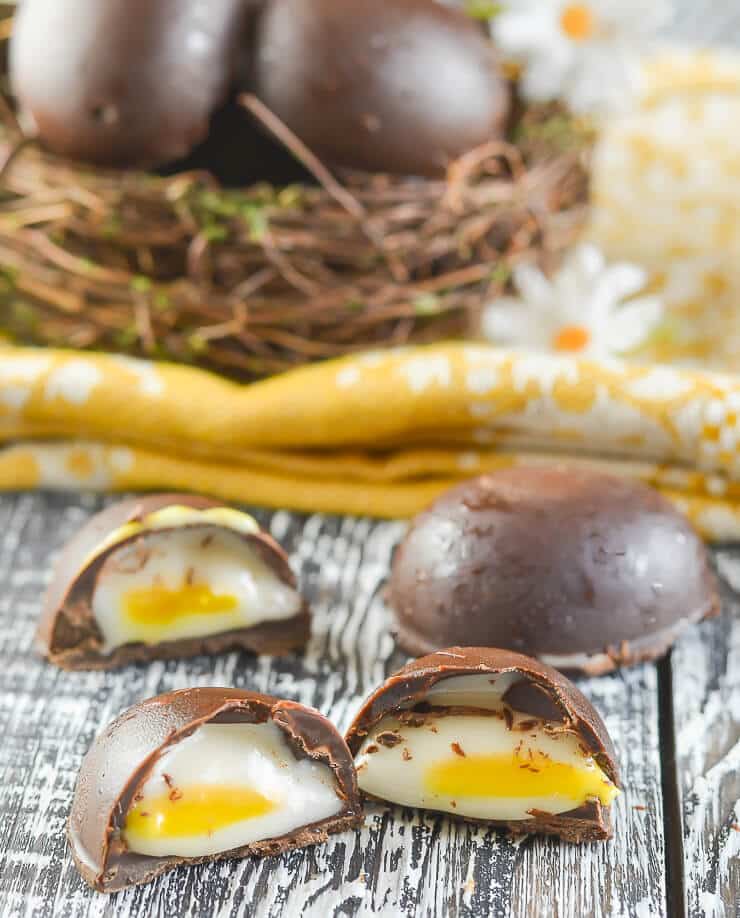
(706, 679)
(402, 863)
(627, 876)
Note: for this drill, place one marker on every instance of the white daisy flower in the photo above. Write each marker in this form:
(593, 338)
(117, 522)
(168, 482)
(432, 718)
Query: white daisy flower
(587, 54)
(588, 308)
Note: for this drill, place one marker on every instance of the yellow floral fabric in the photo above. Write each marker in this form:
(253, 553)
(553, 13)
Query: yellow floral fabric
(381, 433)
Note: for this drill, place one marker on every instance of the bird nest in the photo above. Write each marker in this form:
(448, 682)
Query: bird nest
(253, 281)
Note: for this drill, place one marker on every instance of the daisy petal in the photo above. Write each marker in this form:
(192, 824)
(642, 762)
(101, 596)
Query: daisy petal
(632, 324)
(533, 286)
(522, 31)
(544, 77)
(625, 280)
(587, 259)
(512, 322)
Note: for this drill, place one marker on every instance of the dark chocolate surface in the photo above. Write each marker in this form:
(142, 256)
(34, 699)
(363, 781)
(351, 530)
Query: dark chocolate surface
(400, 86)
(68, 635)
(123, 755)
(125, 82)
(551, 562)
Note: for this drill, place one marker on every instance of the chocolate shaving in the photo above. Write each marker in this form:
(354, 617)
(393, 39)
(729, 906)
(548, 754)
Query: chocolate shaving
(411, 719)
(458, 749)
(389, 739)
(406, 755)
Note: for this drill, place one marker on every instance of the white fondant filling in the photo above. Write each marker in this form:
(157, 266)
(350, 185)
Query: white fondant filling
(398, 773)
(255, 757)
(220, 560)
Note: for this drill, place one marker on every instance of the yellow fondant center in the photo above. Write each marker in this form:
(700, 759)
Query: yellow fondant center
(514, 776)
(577, 21)
(193, 810)
(159, 605)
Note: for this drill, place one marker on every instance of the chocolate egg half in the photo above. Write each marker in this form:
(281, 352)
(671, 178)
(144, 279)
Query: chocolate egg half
(584, 570)
(124, 82)
(167, 576)
(400, 86)
(490, 736)
(207, 773)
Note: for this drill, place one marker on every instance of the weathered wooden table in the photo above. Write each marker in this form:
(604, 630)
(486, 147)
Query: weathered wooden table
(676, 726)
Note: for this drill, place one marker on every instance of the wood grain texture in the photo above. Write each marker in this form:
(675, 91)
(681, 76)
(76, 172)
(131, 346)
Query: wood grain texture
(706, 680)
(401, 863)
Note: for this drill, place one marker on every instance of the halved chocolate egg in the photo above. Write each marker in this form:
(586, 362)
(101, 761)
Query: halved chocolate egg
(399, 86)
(124, 82)
(489, 736)
(170, 576)
(584, 570)
(203, 774)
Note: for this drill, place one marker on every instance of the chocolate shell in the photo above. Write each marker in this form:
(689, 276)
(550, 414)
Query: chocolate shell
(68, 633)
(537, 691)
(584, 570)
(125, 82)
(399, 86)
(117, 766)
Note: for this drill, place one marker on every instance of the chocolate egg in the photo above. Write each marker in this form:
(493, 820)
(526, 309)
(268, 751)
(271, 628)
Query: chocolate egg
(124, 82)
(169, 576)
(203, 774)
(489, 736)
(401, 86)
(584, 570)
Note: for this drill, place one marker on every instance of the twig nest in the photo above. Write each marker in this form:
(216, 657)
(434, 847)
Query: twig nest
(256, 280)
(399, 86)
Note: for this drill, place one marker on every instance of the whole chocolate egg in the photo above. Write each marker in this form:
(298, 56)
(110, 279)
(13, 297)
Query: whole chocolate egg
(584, 570)
(124, 82)
(401, 86)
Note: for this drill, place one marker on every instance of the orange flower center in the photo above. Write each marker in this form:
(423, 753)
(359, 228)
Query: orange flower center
(577, 21)
(571, 338)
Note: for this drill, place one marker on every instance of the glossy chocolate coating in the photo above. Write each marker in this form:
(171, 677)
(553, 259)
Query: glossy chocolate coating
(122, 757)
(542, 692)
(552, 563)
(125, 82)
(69, 636)
(400, 86)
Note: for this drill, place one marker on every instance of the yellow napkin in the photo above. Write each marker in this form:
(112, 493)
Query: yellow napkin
(380, 433)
